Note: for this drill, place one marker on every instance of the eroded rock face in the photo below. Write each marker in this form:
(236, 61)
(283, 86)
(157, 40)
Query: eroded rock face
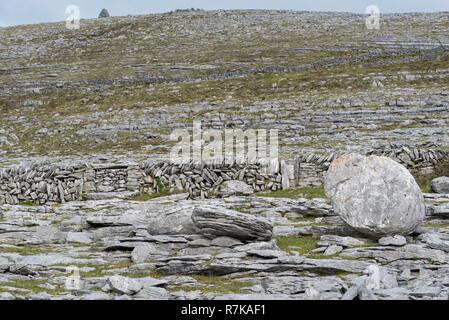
(374, 195)
(213, 222)
(441, 185)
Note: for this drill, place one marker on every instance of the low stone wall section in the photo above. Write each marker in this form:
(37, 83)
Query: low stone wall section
(52, 183)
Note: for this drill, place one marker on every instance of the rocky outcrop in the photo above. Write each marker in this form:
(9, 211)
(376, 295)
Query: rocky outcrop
(111, 240)
(374, 195)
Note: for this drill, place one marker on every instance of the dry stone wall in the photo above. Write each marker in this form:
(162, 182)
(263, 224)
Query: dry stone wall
(200, 179)
(41, 184)
(51, 183)
(422, 158)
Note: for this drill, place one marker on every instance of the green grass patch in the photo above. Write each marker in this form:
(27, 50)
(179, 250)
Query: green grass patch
(303, 245)
(142, 274)
(425, 180)
(150, 196)
(435, 225)
(145, 196)
(28, 203)
(101, 270)
(31, 285)
(27, 250)
(161, 191)
(214, 284)
(303, 220)
(306, 192)
(28, 284)
(300, 244)
(56, 222)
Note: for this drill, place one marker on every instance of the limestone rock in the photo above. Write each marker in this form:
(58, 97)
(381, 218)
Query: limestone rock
(177, 220)
(213, 222)
(374, 195)
(142, 252)
(435, 241)
(93, 296)
(234, 188)
(78, 237)
(333, 250)
(124, 285)
(152, 293)
(378, 277)
(225, 242)
(397, 241)
(345, 242)
(440, 185)
(4, 264)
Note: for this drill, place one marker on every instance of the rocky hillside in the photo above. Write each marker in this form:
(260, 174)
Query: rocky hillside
(108, 218)
(121, 85)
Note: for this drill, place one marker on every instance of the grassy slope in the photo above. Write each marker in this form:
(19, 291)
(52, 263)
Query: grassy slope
(203, 44)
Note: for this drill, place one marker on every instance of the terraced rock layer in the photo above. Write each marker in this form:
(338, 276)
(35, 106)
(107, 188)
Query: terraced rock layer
(122, 85)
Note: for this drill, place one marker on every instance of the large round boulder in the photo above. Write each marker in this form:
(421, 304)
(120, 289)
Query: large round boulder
(440, 185)
(374, 195)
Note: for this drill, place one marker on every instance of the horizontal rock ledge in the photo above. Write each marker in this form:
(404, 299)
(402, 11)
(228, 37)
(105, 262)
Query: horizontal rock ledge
(213, 222)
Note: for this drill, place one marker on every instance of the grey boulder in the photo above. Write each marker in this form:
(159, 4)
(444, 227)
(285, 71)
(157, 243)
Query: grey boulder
(143, 252)
(234, 188)
(4, 264)
(441, 185)
(374, 195)
(213, 222)
(333, 250)
(175, 221)
(397, 241)
(124, 285)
